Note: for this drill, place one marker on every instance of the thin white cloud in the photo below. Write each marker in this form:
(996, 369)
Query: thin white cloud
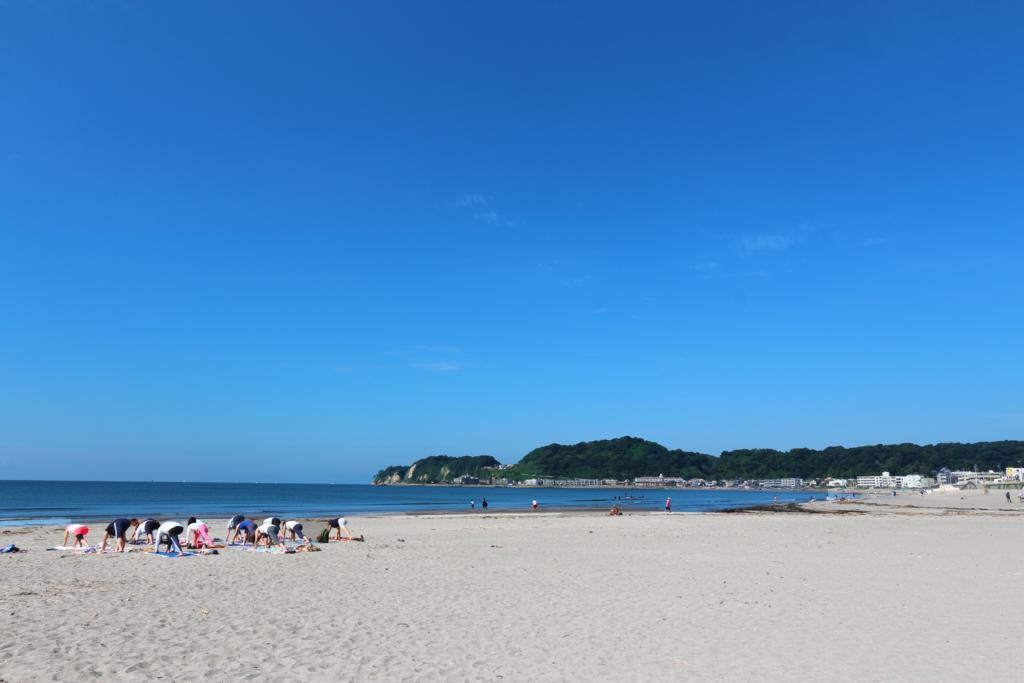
(436, 348)
(493, 218)
(443, 366)
(578, 281)
(879, 241)
(482, 209)
(704, 266)
(472, 200)
(761, 243)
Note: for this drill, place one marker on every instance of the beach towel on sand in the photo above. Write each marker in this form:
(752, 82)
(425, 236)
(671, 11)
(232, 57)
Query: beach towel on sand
(167, 553)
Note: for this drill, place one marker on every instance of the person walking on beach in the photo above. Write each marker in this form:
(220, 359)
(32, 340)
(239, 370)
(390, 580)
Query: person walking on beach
(1008, 499)
(534, 505)
(118, 529)
(79, 531)
(668, 505)
(168, 533)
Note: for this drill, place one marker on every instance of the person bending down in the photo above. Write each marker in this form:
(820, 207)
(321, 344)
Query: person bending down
(293, 531)
(118, 529)
(340, 524)
(266, 535)
(232, 533)
(198, 534)
(168, 533)
(79, 531)
(247, 531)
(276, 521)
(147, 529)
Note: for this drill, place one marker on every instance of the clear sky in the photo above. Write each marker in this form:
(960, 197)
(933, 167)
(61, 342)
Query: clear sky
(302, 241)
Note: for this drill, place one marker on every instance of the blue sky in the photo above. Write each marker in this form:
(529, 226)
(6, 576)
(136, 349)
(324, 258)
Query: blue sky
(302, 242)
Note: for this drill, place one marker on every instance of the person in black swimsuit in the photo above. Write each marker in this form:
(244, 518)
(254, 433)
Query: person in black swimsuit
(118, 529)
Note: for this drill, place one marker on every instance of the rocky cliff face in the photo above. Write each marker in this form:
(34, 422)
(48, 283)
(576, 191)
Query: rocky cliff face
(437, 469)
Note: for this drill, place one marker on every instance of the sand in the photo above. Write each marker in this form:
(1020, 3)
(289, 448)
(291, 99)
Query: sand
(876, 595)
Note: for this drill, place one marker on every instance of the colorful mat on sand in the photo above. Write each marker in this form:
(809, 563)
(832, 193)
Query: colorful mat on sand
(166, 553)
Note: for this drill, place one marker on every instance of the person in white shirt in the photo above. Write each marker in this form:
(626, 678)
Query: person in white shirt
(168, 533)
(266, 534)
(293, 531)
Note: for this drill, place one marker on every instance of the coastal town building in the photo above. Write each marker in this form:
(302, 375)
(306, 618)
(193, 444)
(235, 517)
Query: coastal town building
(1015, 473)
(660, 480)
(787, 483)
(962, 478)
(888, 481)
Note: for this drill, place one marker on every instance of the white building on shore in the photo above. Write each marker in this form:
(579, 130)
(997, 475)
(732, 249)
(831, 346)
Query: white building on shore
(888, 481)
(787, 483)
(660, 480)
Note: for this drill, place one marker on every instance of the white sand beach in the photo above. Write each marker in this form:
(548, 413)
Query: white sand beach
(875, 595)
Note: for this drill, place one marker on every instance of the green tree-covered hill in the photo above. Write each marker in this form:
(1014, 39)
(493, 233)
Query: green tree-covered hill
(629, 457)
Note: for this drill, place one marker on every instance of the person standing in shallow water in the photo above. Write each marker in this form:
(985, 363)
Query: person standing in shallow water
(668, 505)
(483, 503)
(534, 505)
(472, 504)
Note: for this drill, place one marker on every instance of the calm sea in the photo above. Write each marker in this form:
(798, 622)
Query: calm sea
(58, 502)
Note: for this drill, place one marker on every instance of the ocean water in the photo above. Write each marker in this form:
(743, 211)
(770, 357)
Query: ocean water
(59, 502)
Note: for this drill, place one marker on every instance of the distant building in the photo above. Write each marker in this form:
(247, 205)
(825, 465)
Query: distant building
(788, 483)
(888, 481)
(963, 477)
(837, 483)
(464, 479)
(660, 480)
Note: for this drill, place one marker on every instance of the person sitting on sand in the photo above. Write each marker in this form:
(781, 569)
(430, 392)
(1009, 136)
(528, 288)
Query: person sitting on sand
(233, 527)
(615, 511)
(147, 529)
(198, 534)
(168, 533)
(293, 531)
(79, 531)
(247, 530)
(266, 534)
(118, 529)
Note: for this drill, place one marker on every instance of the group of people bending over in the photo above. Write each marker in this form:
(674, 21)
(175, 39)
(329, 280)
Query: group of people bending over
(273, 531)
